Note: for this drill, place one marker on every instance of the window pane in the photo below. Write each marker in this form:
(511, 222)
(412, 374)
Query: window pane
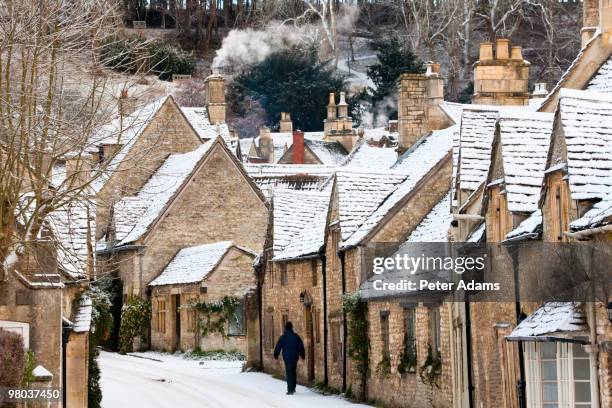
(549, 392)
(549, 350)
(582, 369)
(582, 392)
(551, 406)
(549, 370)
(579, 351)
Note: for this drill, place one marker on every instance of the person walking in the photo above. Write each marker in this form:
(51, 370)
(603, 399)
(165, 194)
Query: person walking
(293, 348)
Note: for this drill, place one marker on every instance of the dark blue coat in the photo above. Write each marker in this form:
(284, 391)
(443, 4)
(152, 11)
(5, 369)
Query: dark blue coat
(292, 347)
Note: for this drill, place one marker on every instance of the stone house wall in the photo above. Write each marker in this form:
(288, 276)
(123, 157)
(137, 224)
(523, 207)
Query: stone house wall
(400, 390)
(281, 302)
(167, 133)
(218, 204)
(232, 277)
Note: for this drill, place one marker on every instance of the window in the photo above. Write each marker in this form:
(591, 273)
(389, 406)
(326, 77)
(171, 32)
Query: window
(236, 324)
(410, 330)
(314, 271)
(270, 274)
(161, 315)
(284, 275)
(434, 329)
(384, 333)
(335, 240)
(557, 374)
(285, 319)
(336, 341)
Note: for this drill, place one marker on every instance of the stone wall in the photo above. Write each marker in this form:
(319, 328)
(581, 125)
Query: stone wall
(218, 204)
(77, 369)
(400, 390)
(283, 302)
(232, 277)
(167, 133)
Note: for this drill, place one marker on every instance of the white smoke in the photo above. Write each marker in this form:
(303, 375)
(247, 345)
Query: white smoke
(246, 47)
(378, 115)
(347, 18)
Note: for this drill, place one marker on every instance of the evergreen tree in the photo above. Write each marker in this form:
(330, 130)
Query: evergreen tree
(291, 80)
(393, 59)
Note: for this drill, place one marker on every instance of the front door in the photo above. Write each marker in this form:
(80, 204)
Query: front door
(177, 319)
(310, 347)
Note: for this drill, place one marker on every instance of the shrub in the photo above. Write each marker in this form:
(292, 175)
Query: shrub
(135, 318)
(12, 359)
(166, 60)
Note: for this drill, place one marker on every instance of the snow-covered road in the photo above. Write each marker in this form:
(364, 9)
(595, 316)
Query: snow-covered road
(161, 380)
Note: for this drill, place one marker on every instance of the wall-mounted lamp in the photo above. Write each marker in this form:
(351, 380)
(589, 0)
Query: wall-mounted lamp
(302, 296)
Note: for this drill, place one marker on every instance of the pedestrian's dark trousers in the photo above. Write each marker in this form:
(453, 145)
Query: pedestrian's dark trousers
(290, 375)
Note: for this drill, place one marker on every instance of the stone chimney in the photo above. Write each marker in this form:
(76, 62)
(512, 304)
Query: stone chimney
(590, 20)
(419, 98)
(539, 91)
(266, 145)
(342, 106)
(286, 125)
(127, 104)
(215, 99)
(501, 79)
(331, 107)
(298, 147)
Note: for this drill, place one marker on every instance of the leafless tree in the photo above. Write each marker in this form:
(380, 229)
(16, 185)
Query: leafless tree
(54, 100)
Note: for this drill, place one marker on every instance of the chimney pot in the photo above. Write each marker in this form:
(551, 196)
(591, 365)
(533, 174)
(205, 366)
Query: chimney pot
(332, 99)
(486, 51)
(298, 147)
(502, 49)
(516, 53)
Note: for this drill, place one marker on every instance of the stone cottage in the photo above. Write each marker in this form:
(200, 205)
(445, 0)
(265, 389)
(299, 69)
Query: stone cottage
(204, 273)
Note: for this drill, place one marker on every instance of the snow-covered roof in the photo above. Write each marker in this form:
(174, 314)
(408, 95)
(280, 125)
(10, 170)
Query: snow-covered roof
(602, 80)
(435, 225)
(276, 177)
(360, 192)
(453, 110)
(524, 139)
(293, 211)
(476, 234)
(416, 162)
(74, 228)
(476, 136)
(551, 318)
(586, 118)
(332, 153)
(283, 141)
(599, 214)
(198, 118)
(528, 228)
(311, 237)
(367, 156)
(82, 318)
(193, 264)
(377, 133)
(135, 214)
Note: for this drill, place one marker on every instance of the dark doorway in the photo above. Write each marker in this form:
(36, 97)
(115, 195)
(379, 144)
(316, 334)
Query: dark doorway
(310, 350)
(177, 319)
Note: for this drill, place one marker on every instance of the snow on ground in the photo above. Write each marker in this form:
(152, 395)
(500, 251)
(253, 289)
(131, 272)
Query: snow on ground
(163, 380)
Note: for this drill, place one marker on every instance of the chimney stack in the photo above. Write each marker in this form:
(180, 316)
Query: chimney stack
(605, 20)
(127, 104)
(501, 79)
(286, 125)
(266, 145)
(331, 107)
(539, 91)
(501, 48)
(419, 110)
(215, 99)
(342, 106)
(298, 147)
